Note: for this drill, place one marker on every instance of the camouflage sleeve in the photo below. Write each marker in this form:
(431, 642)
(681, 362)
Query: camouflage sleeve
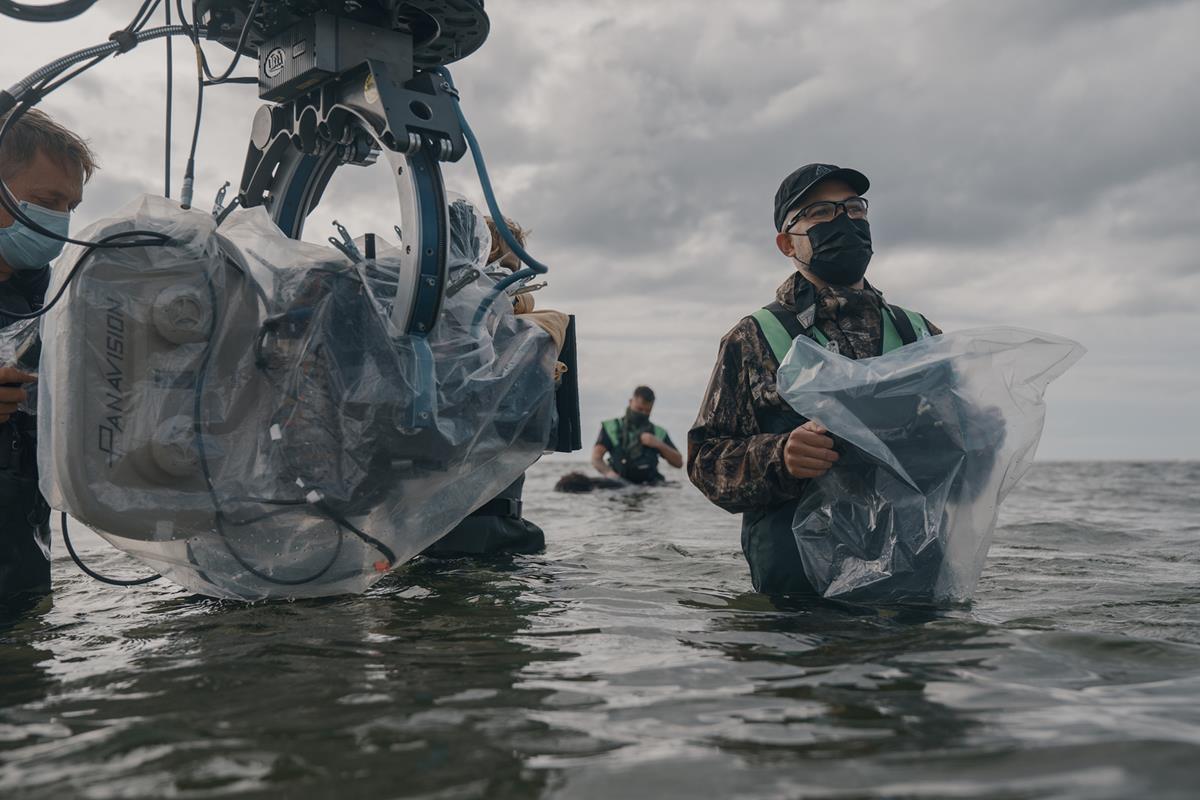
(737, 467)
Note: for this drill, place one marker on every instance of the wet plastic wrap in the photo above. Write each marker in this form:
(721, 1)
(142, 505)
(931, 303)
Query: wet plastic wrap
(233, 409)
(20, 345)
(932, 437)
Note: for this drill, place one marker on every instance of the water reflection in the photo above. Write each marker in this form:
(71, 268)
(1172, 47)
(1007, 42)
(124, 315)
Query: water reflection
(22, 678)
(628, 661)
(420, 676)
(846, 680)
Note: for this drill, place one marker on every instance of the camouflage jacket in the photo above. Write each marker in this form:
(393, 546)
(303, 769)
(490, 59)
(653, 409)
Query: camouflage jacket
(730, 459)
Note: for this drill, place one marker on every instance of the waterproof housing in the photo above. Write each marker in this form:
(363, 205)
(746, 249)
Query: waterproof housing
(233, 408)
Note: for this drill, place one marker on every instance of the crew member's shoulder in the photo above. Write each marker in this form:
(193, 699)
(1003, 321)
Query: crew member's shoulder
(934, 330)
(746, 329)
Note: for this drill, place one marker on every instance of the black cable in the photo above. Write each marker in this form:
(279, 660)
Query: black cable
(144, 14)
(189, 172)
(12, 205)
(89, 571)
(241, 42)
(202, 69)
(267, 501)
(56, 12)
(170, 99)
(368, 539)
(197, 429)
(159, 239)
(47, 88)
(32, 89)
(246, 80)
(278, 512)
(136, 24)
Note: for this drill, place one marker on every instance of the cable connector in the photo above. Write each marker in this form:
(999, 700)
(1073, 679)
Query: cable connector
(185, 196)
(189, 180)
(126, 40)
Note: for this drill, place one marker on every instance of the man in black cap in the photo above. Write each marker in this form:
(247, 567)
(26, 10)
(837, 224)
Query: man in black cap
(748, 451)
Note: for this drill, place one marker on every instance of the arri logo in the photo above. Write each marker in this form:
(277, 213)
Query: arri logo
(273, 63)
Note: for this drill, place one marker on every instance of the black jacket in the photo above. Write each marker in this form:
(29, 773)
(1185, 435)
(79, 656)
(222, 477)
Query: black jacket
(24, 515)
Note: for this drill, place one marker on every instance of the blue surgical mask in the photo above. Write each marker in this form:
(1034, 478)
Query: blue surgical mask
(23, 248)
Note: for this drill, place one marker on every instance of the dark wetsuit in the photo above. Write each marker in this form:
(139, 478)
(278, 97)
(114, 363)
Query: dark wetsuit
(24, 515)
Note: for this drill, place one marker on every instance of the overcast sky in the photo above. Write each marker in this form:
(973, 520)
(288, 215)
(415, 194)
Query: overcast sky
(1033, 163)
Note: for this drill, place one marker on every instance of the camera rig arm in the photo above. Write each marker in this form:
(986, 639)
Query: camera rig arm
(346, 89)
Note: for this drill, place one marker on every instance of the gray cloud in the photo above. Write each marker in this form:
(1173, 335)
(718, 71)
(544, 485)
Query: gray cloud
(1033, 163)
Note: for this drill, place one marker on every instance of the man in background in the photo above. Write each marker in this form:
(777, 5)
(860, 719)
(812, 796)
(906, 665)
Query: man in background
(497, 527)
(634, 444)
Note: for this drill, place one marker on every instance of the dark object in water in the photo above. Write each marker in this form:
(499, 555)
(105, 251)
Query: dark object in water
(494, 529)
(578, 483)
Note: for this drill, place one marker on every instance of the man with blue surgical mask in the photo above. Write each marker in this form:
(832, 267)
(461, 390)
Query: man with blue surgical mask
(44, 166)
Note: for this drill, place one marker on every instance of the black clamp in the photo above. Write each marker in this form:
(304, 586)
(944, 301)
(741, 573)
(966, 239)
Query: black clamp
(126, 40)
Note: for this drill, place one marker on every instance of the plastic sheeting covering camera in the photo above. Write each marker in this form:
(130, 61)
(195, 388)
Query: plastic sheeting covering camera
(232, 410)
(932, 438)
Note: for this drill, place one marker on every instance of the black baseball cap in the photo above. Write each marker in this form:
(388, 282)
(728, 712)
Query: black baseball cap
(795, 185)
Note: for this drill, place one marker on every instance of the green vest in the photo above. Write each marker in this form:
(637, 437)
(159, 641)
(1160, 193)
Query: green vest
(613, 428)
(781, 341)
(767, 539)
(640, 466)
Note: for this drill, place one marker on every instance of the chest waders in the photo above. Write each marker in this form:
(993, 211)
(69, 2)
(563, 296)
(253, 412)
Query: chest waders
(638, 467)
(24, 515)
(767, 539)
(495, 528)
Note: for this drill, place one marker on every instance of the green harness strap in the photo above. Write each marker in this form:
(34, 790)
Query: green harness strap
(777, 335)
(781, 342)
(613, 426)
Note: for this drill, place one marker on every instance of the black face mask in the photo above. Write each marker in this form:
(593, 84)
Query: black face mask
(841, 250)
(636, 418)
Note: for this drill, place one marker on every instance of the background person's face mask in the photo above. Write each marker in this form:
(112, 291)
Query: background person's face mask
(23, 248)
(841, 250)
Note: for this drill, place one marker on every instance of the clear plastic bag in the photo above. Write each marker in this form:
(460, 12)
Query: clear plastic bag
(932, 437)
(20, 343)
(233, 408)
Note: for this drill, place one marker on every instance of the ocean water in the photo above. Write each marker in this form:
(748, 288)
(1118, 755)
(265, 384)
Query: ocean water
(631, 660)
